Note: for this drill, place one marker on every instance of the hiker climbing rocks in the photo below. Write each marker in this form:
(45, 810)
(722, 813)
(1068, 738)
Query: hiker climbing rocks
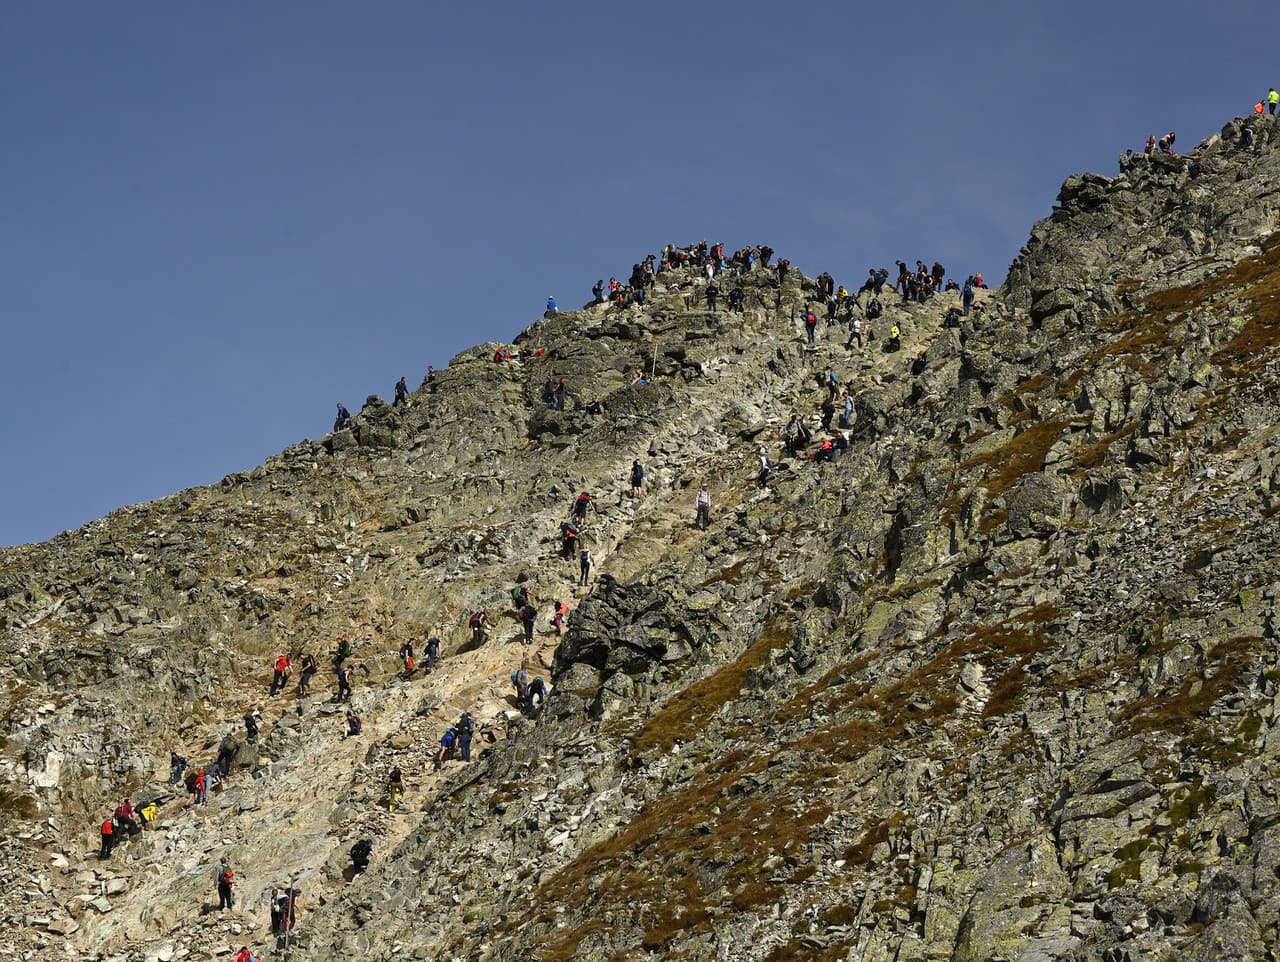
(762, 479)
(251, 719)
(537, 690)
(919, 365)
(520, 681)
(568, 538)
(466, 728)
(528, 615)
(177, 766)
(520, 597)
(874, 310)
(343, 419)
(810, 323)
(703, 505)
(244, 955)
(402, 393)
(637, 478)
(966, 297)
(846, 416)
(735, 300)
(345, 674)
(433, 652)
(309, 669)
(584, 565)
(479, 623)
(448, 745)
(360, 853)
(828, 412)
(353, 725)
(226, 752)
(148, 814)
(952, 320)
(406, 656)
(342, 652)
(395, 788)
(223, 879)
(559, 611)
(713, 292)
(855, 332)
(281, 674)
(895, 339)
(108, 832)
(202, 786)
(583, 502)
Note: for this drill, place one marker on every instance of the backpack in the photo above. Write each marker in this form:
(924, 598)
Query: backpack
(475, 619)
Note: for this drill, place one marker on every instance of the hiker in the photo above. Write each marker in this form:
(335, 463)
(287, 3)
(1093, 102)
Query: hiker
(528, 615)
(395, 788)
(502, 355)
(1151, 144)
(402, 393)
(342, 652)
(637, 478)
(344, 683)
(703, 505)
(431, 376)
(846, 416)
(595, 406)
(223, 879)
(287, 909)
(966, 297)
(108, 832)
(244, 955)
(584, 565)
(406, 656)
(309, 669)
(519, 597)
(353, 726)
(825, 452)
(202, 787)
(762, 479)
(874, 310)
(895, 338)
(735, 300)
(148, 814)
(832, 382)
(551, 307)
(193, 791)
(479, 623)
(520, 681)
(855, 332)
(810, 323)
(828, 409)
(251, 720)
(919, 365)
(952, 320)
(581, 504)
(360, 853)
(1273, 98)
(713, 291)
(559, 611)
(448, 741)
(226, 752)
(597, 292)
(537, 689)
(343, 419)
(568, 538)
(279, 903)
(433, 652)
(466, 731)
(1166, 143)
(177, 765)
(280, 675)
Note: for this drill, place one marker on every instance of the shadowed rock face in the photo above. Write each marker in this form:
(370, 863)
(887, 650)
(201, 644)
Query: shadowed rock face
(998, 683)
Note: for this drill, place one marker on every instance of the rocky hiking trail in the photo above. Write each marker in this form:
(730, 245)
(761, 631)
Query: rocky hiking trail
(267, 822)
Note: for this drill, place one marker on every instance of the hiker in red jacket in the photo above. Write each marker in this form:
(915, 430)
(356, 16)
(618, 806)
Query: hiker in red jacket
(281, 675)
(108, 838)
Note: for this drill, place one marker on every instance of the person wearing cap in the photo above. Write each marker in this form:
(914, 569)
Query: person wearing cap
(551, 306)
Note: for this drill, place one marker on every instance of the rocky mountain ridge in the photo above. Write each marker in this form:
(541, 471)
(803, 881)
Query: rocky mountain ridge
(998, 683)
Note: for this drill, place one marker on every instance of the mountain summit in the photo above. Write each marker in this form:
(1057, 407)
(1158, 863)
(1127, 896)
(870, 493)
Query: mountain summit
(999, 681)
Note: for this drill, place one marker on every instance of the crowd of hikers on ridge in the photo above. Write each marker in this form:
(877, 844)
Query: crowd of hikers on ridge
(833, 305)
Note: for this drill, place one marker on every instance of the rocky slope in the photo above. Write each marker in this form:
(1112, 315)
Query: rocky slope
(998, 683)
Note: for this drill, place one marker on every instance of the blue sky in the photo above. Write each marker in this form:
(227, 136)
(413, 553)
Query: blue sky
(218, 220)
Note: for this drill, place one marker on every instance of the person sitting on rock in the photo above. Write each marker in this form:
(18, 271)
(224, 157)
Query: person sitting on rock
(502, 355)
(919, 365)
(148, 814)
(353, 725)
(895, 339)
(1166, 143)
(639, 378)
(552, 309)
(343, 419)
(595, 406)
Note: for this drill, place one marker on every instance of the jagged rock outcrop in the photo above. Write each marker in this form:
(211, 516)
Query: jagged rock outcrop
(1000, 682)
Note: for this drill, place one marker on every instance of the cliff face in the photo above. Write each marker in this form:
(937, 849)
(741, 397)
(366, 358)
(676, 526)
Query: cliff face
(998, 683)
